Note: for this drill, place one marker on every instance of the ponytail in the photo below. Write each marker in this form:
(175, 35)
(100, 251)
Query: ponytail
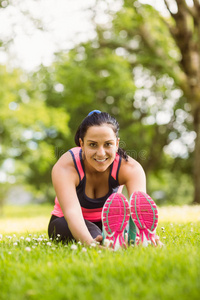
(77, 136)
(122, 153)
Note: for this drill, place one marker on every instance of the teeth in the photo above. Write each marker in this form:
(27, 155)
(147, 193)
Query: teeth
(101, 160)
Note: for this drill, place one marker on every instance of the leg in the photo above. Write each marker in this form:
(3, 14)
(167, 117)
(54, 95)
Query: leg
(58, 228)
(94, 228)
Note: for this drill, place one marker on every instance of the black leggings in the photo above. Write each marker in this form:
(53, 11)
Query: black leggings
(58, 229)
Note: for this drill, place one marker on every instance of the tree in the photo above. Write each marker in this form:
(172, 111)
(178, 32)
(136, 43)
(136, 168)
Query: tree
(90, 77)
(185, 31)
(29, 130)
(118, 73)
(132, 69)
(184, 27)
(164, 45)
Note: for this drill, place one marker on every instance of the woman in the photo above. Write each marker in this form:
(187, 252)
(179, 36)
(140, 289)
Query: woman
(88, 180)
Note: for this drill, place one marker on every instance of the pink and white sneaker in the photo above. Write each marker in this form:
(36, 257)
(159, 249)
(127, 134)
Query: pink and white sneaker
(144, 215)
(115, 217)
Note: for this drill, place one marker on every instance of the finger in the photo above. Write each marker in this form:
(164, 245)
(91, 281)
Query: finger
(99, 238)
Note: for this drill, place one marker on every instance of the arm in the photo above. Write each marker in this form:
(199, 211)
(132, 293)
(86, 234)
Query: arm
(65, 179)
(132, 175)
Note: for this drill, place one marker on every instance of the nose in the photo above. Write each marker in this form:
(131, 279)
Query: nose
(100, 152)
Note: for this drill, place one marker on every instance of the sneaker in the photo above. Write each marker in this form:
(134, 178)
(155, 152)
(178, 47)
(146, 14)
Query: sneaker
(115, 216)
(143, 220)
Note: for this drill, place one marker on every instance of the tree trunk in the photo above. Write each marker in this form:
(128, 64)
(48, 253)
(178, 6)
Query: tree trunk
(197, 157)
(186, 33)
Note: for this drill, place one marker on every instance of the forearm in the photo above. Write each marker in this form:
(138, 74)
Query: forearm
(78, 227)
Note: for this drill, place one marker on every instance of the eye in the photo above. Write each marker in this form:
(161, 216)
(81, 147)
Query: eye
(108, 144)
(92, 145)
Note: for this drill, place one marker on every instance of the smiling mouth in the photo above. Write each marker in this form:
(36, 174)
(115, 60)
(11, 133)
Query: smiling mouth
(100, 160)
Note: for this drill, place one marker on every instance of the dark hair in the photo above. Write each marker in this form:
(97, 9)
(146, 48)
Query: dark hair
(98, 119)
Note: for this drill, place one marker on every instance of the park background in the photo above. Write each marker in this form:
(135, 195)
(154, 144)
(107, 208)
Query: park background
(138, 61)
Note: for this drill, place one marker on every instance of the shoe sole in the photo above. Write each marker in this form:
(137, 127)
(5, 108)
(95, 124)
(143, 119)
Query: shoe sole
(115, 216)
(144, 214)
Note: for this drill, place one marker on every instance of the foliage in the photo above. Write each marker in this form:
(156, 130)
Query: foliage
(179, 31)
(144, 37)
(180, 191)
(28, 131)
(122, 76)
(132, 70)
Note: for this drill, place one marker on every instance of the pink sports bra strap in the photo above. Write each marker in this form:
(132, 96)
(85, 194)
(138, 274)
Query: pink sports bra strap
(77, 161)
(115, 167)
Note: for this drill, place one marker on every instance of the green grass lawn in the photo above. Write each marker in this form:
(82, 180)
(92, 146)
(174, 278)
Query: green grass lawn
(32, 267)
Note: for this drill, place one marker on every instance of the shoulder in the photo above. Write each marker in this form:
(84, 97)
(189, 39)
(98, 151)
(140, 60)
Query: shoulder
(130, 169)
(64, 167)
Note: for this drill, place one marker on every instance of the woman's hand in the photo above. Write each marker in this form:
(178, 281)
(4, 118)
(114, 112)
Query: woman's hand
(99, 239)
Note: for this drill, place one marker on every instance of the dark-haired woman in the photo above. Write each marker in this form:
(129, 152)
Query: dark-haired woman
(88, 180)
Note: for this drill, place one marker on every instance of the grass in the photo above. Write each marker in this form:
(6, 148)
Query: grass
(32, 267)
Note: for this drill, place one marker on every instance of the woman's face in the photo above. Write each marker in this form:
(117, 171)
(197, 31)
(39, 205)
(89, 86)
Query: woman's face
(99, 147)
